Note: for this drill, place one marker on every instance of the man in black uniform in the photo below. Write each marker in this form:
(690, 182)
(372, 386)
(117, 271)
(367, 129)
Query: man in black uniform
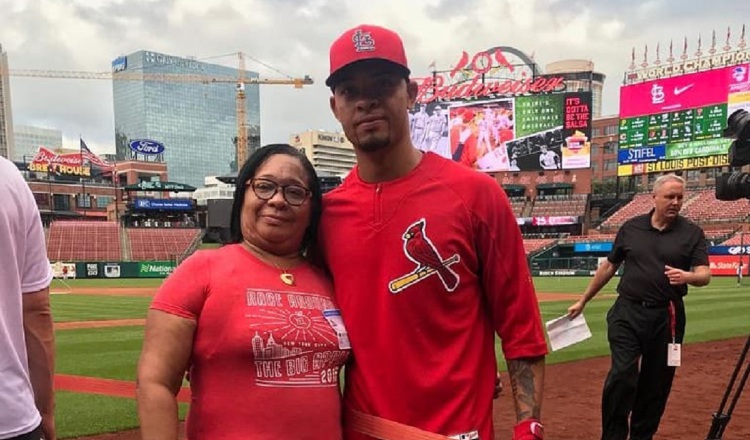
(663, 253)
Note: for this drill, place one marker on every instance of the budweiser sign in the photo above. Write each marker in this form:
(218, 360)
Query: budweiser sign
(472, 77)
(47, 161)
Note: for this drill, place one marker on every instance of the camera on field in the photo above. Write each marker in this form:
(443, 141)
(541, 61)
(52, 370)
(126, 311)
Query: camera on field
(736, 185)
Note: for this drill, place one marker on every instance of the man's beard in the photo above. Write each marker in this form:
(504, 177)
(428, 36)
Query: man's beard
(374, 142)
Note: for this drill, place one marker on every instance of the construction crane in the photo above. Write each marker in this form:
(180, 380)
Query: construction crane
(240, 80)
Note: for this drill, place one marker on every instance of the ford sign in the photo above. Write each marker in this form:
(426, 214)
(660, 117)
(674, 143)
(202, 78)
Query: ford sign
(145, 146)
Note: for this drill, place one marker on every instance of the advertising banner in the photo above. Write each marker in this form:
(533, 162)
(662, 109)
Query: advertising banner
(146, 147)
(710, 147)
(112, 270)
(92, 270)
(63, 270)
(739, 78)
(525, 133)
(562, 273)
(673, 165)
(603, 246)
(676, 93)
(164, 204)
(547, 221)
(155, 269)
(729, 250)
(725, 265)
(554, 221)
(642, 155)
(71, 164)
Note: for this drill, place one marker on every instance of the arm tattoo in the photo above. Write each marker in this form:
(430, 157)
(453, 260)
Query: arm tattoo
(522, 380)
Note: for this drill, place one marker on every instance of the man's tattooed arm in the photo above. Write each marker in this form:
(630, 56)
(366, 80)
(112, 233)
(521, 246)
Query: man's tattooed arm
(527, 382)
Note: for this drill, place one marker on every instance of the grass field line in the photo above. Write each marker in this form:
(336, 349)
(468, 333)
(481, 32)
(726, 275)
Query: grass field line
(105, 387)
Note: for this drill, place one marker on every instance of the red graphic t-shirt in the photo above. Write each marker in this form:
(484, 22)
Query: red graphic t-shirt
(266, 356)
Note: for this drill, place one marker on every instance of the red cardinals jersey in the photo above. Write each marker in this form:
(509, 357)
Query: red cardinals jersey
(266, 356)
(426, 269)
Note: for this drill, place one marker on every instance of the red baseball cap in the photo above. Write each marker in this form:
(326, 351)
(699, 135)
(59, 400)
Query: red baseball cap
(366, 42)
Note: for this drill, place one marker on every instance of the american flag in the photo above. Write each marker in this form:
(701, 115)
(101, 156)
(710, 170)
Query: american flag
(86, 154)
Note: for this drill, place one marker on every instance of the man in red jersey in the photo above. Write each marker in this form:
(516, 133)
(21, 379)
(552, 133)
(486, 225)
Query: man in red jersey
(428, 264)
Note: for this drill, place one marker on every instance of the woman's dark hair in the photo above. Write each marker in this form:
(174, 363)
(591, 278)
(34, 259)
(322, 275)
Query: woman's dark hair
(248, 171)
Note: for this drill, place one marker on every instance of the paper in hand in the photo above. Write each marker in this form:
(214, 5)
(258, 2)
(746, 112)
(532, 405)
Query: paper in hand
(564, 332)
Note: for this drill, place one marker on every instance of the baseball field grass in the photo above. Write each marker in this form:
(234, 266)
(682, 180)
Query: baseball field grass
(718, 311)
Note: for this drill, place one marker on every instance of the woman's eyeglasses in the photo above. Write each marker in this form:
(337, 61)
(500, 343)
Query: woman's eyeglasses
(265, 189)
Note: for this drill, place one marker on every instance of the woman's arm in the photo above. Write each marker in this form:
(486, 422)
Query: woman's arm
(166, 352)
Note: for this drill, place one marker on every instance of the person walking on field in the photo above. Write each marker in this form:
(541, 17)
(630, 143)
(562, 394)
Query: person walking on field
(662, 253)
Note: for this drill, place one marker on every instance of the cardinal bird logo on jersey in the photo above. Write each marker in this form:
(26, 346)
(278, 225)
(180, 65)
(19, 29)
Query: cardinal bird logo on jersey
(419, 249)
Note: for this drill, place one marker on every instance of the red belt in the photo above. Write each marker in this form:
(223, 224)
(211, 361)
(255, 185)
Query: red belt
(385, 429)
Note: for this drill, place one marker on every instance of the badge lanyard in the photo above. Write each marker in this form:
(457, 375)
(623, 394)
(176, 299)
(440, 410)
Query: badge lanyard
(674, 350)
(673, 321)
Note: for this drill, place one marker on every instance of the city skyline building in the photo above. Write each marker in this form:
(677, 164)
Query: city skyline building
(7, 143)
(331, 153)
(29, 138)
(195, 121)
(580, 76)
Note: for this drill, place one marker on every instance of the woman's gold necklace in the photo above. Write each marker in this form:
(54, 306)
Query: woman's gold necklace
(286, 276)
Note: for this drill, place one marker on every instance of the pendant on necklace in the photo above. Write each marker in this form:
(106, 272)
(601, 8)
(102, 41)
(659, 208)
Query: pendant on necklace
(287, 278)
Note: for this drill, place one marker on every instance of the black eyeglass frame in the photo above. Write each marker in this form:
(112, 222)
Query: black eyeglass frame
(251, 184)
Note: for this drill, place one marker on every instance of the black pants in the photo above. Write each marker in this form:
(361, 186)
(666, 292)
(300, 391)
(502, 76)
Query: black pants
(638, 332)
(33, 435)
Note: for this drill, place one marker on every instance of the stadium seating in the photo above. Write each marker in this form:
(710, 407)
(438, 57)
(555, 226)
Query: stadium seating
(157, 244)
(560, 206)
(737, 240)
(641, 204)
(703, 207)
(531, 245)
(83, 241)
(518, 204)
(718, 235)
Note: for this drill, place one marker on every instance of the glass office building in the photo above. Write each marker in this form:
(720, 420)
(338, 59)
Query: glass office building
(186, 111)
(28, 140)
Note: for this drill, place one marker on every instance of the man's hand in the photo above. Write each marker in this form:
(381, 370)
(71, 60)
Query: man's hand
(576, 309)
(529, 429)
(677, 277)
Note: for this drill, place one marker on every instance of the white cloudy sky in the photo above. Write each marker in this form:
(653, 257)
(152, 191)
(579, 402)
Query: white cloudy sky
(293, 36)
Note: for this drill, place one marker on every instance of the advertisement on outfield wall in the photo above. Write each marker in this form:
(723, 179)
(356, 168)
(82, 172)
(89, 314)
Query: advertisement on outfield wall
(63, 270)
(155, 269)
(548, 221)
(725, 265)
(599, 246)
(524, 133)
(673, 124)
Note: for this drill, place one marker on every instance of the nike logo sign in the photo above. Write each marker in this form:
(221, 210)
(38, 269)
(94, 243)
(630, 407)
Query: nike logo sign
(680, 90)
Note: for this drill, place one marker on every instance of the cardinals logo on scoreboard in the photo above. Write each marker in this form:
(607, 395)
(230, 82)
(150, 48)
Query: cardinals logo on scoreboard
(419, 249)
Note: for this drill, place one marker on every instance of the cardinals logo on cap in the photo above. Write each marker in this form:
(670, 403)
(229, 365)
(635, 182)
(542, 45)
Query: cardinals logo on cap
(419, 249)
(363, 41)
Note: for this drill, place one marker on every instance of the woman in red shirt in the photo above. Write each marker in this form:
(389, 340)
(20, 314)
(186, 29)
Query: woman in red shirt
(253, 323)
